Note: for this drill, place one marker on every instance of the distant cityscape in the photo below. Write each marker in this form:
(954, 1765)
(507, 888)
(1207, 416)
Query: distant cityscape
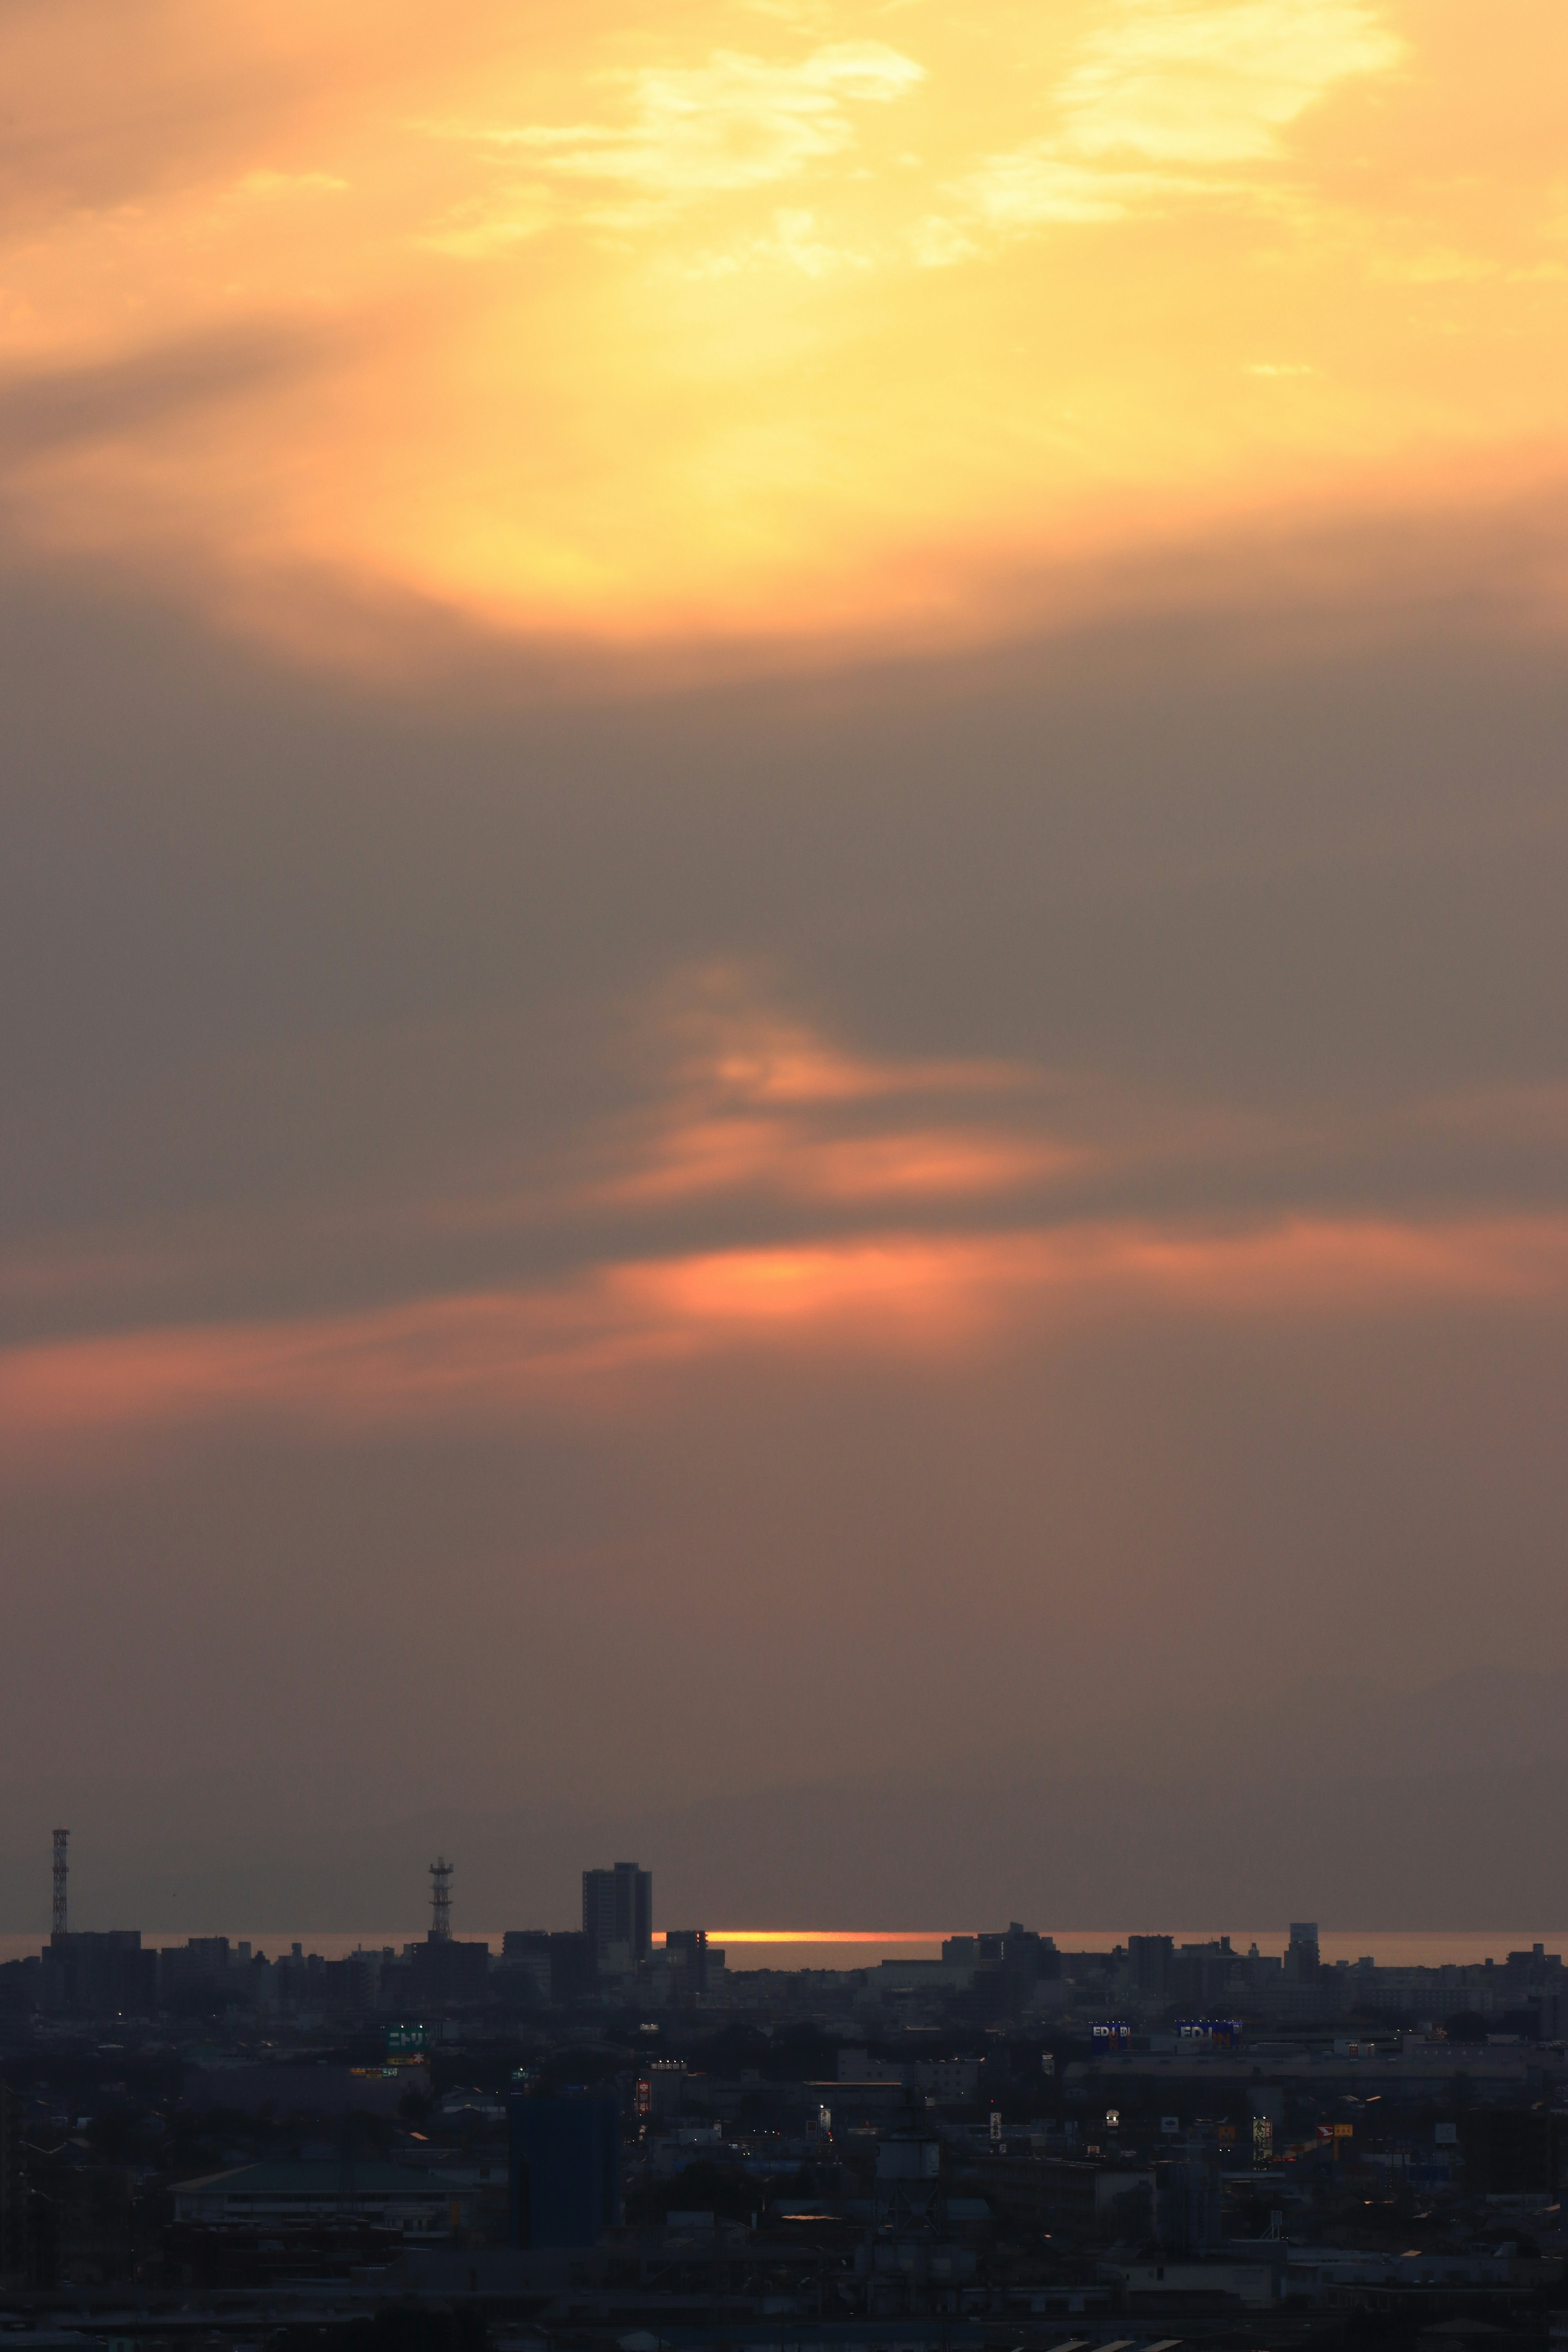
(602, 2139)
(1011, 1975)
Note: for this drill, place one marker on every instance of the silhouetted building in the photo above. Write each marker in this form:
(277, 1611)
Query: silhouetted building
(188, 1971)
(663, 2081)
(567, 1953)
(443, 1972)
(1187, 2216)
(525, 1965)
(686, 1948)
(1301, 1962)
(565, 2171)
(1150, 1957)
(1200, 1974)
(293, 2196)
(13, 2185)
(909, 2187)
(311, 2090)
(1008, 1967)
(354, 1983)
(618, 1917)
(101, 1975)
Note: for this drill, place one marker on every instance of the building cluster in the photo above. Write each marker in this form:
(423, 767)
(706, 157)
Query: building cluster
(1153, 1983)
(111, 1973)
(597, 2140)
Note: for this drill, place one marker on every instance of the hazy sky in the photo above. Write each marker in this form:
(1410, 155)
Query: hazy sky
(782, 905)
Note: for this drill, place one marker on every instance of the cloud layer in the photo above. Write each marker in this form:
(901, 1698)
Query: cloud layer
(782, 914)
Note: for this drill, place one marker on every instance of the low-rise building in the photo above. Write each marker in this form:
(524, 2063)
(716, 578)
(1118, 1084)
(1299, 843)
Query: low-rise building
(305, 2195)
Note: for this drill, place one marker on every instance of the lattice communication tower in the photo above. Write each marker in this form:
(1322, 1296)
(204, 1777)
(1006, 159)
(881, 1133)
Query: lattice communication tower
(62, 1872)
(441, 1902)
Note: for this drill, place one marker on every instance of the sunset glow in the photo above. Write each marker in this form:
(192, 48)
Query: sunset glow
(575, 1350)
(782, 925)
(728, 322)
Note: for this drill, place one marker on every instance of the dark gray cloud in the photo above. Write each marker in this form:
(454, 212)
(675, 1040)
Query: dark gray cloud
(55, 409)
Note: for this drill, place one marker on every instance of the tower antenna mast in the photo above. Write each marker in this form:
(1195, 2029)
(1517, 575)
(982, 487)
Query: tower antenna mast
(62, 1872)
(440, 1902)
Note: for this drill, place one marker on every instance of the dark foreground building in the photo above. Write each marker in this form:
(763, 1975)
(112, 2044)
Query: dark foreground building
(565, 2171)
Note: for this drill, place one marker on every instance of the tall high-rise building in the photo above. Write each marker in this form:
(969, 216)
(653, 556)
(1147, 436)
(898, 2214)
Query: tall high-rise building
(618, 1917)
(1302, 1960)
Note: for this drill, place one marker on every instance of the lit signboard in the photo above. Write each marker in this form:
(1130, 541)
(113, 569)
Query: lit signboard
(1114, 2032)
(1214, 2033)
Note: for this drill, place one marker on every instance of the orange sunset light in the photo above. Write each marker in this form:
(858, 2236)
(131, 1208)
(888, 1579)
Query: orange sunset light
(782, 850)
(618, 1333)
(734, 319)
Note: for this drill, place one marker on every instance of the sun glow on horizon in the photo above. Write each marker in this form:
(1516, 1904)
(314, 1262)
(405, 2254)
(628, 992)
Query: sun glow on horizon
(825, 1934)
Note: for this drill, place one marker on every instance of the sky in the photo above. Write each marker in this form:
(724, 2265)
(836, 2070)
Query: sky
(781, 933)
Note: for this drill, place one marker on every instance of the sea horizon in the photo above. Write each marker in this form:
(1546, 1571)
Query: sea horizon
(845, 1949)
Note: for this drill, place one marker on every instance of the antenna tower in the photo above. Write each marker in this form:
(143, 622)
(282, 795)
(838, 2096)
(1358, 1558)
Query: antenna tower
(440, 1902)
(62, 1870)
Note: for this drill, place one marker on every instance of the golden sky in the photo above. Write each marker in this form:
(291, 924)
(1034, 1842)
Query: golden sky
(766, 318)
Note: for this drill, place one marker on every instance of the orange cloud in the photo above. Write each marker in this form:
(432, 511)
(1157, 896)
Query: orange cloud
(785, 1158)
(749, 1103)
(708, 326)
(760, 1059)
(768, 1106)
(592, 1343)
